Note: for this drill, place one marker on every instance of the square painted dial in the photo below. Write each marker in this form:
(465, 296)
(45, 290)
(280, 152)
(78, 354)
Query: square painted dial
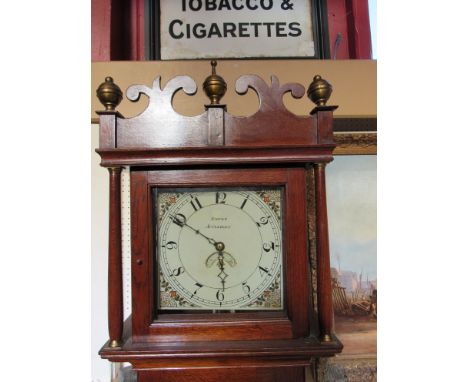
(219, 249)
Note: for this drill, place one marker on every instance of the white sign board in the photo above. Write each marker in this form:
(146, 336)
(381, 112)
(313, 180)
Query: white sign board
(235, 28)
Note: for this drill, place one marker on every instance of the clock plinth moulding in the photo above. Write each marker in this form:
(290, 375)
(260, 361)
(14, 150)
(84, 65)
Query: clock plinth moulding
(271, 149)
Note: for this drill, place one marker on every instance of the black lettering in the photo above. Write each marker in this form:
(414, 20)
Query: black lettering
(199, 30)
(292, 27)
(214, 30)
(210, 5)
(188, 30)
(243, 31)
(183, 6)
(255, 25)
(269, 28)
(280, 30)
(224, 4)
(250, 6)
(237, 7)
(171, 29)
(270, 4)
(229, 28)
(197, 8)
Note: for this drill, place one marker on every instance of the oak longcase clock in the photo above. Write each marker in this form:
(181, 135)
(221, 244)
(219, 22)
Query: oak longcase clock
(229, 239)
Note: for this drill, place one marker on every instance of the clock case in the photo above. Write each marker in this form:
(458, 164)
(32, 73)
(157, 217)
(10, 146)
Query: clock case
(273, 147)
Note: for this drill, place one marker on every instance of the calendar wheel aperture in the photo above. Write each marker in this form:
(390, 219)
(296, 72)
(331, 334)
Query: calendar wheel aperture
(230, 269)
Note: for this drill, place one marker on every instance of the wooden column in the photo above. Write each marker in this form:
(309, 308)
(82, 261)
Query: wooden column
(115, 288)
(324, 291)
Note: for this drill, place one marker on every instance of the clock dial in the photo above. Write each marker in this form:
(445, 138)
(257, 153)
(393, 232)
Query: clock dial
(220, 249)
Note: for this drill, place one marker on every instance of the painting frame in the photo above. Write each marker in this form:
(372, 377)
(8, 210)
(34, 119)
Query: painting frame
(355, 143)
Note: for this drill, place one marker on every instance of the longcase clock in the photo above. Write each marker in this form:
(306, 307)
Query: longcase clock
(229, 237)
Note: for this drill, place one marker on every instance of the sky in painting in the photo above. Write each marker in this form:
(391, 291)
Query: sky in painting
(352, 214)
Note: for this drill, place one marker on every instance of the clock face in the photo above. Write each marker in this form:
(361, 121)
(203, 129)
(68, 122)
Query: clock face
(219, 249)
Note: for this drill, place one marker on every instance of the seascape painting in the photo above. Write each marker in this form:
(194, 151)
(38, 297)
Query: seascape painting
(352, 216)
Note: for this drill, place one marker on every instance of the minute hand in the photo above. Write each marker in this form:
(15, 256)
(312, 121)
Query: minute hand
(182, 221)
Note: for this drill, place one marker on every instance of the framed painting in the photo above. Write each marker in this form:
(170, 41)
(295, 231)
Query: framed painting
(352, 208)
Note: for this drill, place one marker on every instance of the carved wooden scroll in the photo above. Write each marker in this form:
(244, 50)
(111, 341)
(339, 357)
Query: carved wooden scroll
(272, 124)
(160, 126)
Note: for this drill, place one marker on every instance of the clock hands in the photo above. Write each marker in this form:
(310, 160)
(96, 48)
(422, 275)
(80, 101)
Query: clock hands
(220, 256)
(181, 221)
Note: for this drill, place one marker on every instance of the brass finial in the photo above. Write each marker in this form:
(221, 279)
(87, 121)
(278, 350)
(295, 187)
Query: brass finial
(109, 94)
(319, 91)
(214, 86)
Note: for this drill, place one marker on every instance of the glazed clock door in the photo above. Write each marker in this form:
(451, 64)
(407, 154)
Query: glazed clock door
(219, 254)
(219, 248)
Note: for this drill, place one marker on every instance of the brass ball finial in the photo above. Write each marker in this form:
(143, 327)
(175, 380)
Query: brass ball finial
(214, 86)
(109, 94)
(319, 91)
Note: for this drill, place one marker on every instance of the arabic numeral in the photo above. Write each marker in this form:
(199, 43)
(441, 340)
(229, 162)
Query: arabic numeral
(170, 245)
(196, 205)
(245, 201)
(264, 270)
(267, 247)
(263, 220)
(178, 271)
(198, 285)
(179, 219)
(220, 198)
(246, 288)
(220, 295)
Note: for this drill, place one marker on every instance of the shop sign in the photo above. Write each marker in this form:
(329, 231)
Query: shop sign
(191, 29)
